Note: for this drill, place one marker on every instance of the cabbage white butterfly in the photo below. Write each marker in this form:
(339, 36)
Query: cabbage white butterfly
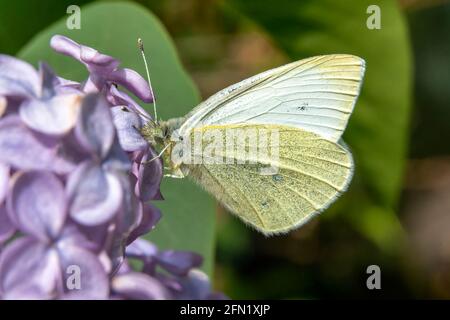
(300, 110)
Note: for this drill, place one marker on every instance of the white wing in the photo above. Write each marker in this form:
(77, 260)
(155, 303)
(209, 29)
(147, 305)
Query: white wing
(316, 94)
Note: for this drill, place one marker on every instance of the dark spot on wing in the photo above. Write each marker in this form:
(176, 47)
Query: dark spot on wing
(277, 178)
(303, 106)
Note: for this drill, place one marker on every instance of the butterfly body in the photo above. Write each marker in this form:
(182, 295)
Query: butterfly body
(269, 148)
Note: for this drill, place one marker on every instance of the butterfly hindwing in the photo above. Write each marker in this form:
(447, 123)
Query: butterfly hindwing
(310, 173)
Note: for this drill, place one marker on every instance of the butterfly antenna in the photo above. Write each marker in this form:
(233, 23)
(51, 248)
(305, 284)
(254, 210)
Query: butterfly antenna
(141, 48)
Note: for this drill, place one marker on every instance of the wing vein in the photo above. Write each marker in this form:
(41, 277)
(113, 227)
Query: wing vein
(312, 203)
(250, 160)
(242, 193)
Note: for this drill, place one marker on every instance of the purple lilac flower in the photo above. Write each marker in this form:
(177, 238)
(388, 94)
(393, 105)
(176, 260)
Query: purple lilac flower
(74, 189)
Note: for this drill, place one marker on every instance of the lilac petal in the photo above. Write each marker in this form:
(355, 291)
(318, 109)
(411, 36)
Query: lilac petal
(130, 213)
(102, 67)
(119, 98)
(48, 81)
(171, 283)
(150, 216)
(74, 235)
(94, 84)
(116, 249)
(124, 268)
(102, 239)
(93, 284)
(106, 262)
(196, 286)
(97, 62)
(90, 57)
(117, 159)
(18, 79)
(6, 227)
(24, 150)
(68, 83)
(136, 285)
(95, 129)
(28, 270)
(149, 176)
(68, 87)
(37, 204)
(133, 81)
(158, 195)
(141, 249)
(4, 180)
(68, 148)
(55, 116)
(65, 46)
(97, 236)
(126, 219)
(95, 195)
(136, 157)
(11, 107)
(178, 262)
(128, 124)
(3, 105)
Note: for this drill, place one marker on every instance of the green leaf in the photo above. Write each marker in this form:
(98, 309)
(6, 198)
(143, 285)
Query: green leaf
(21, 19)
(188, 221)
(377, 132)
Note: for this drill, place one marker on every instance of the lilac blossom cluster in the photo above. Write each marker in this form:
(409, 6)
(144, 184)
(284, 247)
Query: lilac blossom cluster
(75, 186)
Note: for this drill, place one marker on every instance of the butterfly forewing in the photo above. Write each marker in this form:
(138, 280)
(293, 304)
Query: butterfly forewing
(316, 94)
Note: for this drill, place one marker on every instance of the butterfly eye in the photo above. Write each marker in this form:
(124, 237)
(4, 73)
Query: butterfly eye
(125, 109)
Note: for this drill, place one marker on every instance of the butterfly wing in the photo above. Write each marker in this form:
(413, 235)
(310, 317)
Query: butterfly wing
(312, 173)
(316, 94)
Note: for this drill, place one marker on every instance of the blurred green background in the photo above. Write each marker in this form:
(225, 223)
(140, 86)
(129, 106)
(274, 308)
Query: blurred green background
(397, 212)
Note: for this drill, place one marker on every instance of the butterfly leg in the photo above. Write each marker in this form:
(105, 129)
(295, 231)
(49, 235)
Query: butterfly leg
(158, 156)
(175, 176)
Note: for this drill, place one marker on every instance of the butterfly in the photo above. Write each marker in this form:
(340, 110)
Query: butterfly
(300, 110)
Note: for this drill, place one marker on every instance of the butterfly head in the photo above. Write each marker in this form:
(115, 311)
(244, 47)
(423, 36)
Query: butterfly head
(155, 133)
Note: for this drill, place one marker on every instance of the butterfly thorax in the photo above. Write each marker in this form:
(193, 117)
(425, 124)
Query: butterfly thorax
(160, 137)
(158, 134)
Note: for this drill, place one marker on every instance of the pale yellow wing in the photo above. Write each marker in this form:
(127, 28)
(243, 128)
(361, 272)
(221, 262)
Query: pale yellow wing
(312, 173)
